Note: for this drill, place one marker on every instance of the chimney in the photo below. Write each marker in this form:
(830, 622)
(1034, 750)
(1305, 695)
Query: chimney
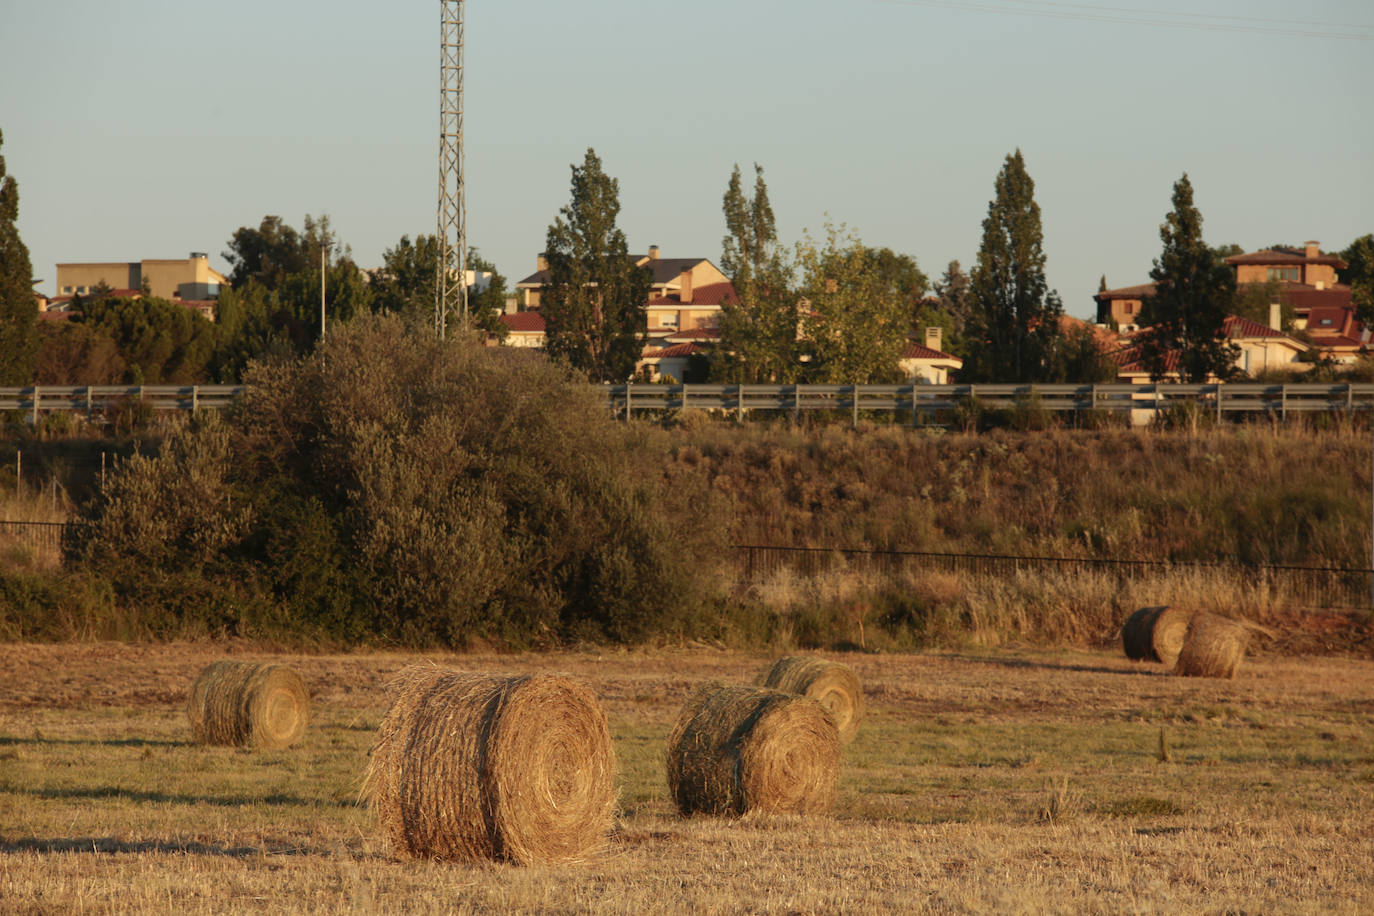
(684, 281)
(933, 338)
(1313, 250)
(653, 252)
(1275, 316)
(541, 262)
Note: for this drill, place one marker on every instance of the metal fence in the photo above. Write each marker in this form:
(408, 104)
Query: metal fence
(91, 399)
(1218, 399)
(919, 401)
(1313, 587)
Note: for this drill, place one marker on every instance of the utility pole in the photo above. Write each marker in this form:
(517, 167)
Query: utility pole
(451, 288)
(322, 272)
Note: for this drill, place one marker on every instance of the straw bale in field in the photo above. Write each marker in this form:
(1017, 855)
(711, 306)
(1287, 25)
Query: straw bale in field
(1155, 634)
(736, 750)
(249, 705)
(833, 685)
(1212, 647)
(470, 767)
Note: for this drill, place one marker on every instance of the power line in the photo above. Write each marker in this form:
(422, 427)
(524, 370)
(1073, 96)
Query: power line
(1170, 19)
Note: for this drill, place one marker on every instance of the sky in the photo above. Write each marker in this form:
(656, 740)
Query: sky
(154, 128)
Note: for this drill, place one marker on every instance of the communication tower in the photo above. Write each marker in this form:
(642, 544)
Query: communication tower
(451, 288)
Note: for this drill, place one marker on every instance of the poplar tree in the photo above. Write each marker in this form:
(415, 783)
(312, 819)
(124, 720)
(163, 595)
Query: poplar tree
(759, 331)
(1014, 317)
(1194, 292)
(594, 301)
(18, 308)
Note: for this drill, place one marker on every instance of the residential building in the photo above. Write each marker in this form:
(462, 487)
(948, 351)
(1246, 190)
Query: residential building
(189, 279)
(1260, 348)
(926, 362)
(1304, 280)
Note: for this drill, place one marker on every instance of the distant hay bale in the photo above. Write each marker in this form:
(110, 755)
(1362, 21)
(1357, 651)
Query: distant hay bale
(248, 705)
(736, 750)
(1212, 647)
(1155, 634)
(833, 685)
(470, 767)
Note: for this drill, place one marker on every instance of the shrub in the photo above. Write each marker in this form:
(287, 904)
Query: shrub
(395, 486)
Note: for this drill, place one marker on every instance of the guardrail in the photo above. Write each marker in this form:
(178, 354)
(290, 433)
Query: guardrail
(37, 399)
(1219, 399)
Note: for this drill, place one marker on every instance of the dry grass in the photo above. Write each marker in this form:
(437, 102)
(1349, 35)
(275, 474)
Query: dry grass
(1002, 780)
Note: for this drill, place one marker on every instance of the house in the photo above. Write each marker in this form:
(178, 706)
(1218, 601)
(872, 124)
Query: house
(524, 329)
(684, 293)
(1261, 348)
(191, 279)
(927, 362)
(1305, 280)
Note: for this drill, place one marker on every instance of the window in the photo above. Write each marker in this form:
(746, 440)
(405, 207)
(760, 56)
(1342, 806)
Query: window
(66, 290)
(1285, 274)
(668, 320)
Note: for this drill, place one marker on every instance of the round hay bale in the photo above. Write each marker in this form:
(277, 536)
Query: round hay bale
(833, 685)
(470, 767)
(1212, 647)
(736, 750)
(247, 704)
(1155, 633)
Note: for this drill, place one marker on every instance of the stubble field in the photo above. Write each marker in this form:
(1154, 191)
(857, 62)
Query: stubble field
(986, 781)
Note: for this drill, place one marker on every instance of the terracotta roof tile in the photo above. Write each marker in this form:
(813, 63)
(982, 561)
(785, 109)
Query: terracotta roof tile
(525, 322)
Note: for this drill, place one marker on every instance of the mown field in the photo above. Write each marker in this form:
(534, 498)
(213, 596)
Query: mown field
(984, 780)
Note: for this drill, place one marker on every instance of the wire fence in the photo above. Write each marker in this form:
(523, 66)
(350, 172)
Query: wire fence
(1314, 587)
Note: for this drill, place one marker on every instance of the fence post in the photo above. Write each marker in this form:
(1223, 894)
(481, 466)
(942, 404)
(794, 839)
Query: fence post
(739, 401)
(1283, 403)
(854, 394)
(88, 403)
(195, 390)
(628, 386)
(1219, 387)
(35, 404)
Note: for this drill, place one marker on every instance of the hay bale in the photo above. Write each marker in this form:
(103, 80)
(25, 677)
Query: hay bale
(470, 767)
(834, 686)
(248, 705)
(1212, 647)
(736, 750)
(1155, 634)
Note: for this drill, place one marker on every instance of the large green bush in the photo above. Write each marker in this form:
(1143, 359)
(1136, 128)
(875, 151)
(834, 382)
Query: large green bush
(399, 488)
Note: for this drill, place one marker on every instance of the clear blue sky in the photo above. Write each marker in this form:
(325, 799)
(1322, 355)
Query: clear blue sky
(152, 128)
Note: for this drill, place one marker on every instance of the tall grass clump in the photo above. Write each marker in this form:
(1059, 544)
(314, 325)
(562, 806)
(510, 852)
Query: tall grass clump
(397, 487)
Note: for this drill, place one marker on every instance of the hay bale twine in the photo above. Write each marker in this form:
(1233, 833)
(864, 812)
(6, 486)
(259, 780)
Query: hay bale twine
(736, 750)
(1212, 647)
(470, 767)
(833, 685)
(248, 704)
(1155, 634)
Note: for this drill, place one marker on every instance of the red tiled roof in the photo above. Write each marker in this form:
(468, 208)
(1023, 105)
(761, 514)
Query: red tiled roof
(1143, 291)
(920, 351)
(682, 349)
(55, 315)
(695, 334)
(1235, 326)
(1302, 296)
(706, 294)
(1285, 257)
(525, 322)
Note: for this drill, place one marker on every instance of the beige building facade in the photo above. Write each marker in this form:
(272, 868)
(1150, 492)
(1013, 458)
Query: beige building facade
(190, 278)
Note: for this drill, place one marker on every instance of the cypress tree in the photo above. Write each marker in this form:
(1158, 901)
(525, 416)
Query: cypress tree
(1014, 320)
(18, 311)
(1194, 292)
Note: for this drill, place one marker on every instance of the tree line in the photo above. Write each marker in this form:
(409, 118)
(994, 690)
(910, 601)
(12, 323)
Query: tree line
(828, 309)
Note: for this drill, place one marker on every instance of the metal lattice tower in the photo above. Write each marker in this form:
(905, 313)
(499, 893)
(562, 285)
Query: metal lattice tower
(451, 290)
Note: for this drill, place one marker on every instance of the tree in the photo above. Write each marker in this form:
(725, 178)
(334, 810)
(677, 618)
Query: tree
(856, 321)
(18, 308)
(1014, 318)
(1194, 292)
(160, 342)
(1359, 276)
(265, 255)
(593, 302)
(74, 353)
(487, 306)
(952, 292)
(758, 332)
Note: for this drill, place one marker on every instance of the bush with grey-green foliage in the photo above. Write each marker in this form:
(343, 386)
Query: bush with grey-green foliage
(392, 486)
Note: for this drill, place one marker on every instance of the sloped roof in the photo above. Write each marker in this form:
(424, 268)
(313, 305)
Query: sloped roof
(682, 349)
(661, 270)
(525, 322)
(706, 294)
(1285, 257)
(1142, 291)
(1236, 327)
(921, 351)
